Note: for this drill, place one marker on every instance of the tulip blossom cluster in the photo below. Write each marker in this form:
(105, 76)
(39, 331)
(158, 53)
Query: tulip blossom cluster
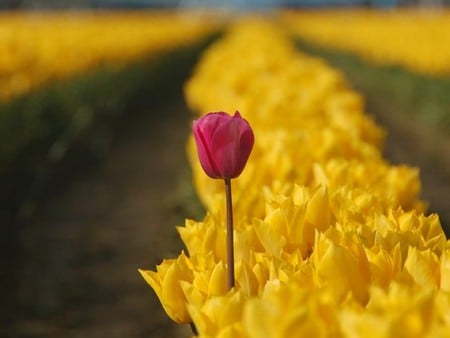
(416, 39)
(330, 239)
(39, 47)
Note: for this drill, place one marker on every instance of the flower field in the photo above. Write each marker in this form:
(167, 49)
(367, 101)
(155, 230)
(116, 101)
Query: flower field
(416, 40)
(66, 78)
(36, 48)
(331, 240)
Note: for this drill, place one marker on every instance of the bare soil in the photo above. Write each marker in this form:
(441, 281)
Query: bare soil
(74, 270)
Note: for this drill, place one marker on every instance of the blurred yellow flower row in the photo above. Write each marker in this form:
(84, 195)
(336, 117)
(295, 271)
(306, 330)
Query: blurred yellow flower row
(330, 239)
(416, 39)
(43, 46)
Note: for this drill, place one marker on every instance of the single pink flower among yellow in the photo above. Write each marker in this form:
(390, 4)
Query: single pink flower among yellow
(223, 143)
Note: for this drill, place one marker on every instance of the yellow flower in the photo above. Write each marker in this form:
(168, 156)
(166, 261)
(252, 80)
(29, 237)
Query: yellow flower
(166, 284)
(31, 44)
(408, 229)
(395, 186)
(247, 280)
(219, 316)
(205, 237)
(385, 266)
(415, 39)
(445, 269)
(291, 222)
(288, 310)
(342, 268)
(423, 267)
(209, 277)
(399, 311)
(407, 311)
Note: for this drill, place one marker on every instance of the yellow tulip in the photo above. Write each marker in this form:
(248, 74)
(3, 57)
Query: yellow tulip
(407, 311)
(342, 269)
(385, 266)
(31, 44)
(415, 39)
(166, 284)
(445, 269)
(423, 267)
(286, 310)
(205, 237)
(219, 315)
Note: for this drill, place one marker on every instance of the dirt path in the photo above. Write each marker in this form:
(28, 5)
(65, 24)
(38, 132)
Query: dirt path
(77, 271)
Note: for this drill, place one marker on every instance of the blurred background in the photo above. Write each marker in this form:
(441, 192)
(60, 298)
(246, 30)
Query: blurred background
(39, 4)
(93, 126)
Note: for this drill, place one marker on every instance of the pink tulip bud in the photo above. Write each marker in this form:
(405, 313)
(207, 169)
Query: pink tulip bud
(224, 144)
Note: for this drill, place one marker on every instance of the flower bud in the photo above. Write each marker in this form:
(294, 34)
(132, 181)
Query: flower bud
(223, 143)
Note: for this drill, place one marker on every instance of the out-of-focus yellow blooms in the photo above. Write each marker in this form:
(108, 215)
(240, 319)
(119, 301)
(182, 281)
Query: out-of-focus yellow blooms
(423, 267)
(330, 240)
(288, 310)
(395, 186)
(445, 269)
(385, 266)
(407, 229)
(36, 48)
(400, 311)
(315, 133)
(416, 39)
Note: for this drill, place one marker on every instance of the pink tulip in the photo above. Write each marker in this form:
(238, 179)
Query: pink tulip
(224, 144)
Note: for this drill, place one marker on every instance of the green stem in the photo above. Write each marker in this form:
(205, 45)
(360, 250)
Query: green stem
(230, 247)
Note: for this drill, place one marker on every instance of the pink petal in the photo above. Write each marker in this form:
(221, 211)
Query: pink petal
(203, 150)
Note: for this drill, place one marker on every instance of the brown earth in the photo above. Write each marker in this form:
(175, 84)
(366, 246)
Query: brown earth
(75, 269)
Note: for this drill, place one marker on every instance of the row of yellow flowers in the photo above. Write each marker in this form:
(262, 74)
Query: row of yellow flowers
(416, 39)
(38, 47)
(330, 239)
